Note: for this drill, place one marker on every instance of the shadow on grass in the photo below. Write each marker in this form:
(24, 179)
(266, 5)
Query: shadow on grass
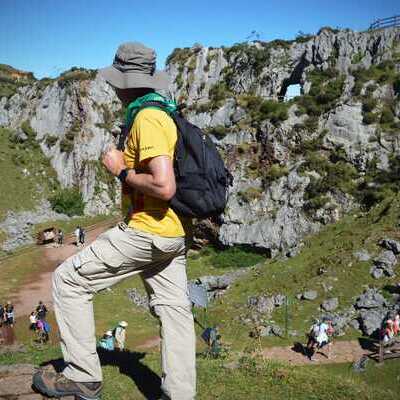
(370, 344)
(129, 364)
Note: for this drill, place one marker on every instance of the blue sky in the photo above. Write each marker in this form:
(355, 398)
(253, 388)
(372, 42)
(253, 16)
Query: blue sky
(50, 36)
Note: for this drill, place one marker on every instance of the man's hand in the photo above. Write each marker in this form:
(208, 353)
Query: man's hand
(113, 160)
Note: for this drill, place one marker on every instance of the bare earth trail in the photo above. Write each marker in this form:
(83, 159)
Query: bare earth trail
(27, 298)
(341, 352)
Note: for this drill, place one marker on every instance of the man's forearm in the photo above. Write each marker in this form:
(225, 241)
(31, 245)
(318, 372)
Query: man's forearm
(147, 184)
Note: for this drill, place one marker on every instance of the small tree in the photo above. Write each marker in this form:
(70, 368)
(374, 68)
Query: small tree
(68, 201)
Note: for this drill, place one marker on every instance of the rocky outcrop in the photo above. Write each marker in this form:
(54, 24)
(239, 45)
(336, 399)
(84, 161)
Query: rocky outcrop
(296, 164)
(268, 68)
(72, 120)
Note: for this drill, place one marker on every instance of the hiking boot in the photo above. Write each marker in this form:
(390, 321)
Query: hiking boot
(57, 385)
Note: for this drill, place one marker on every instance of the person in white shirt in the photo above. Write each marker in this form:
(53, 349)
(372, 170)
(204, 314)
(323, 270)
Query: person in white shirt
(32, 321)
(77, 233)
(325, 331)
(120, 335)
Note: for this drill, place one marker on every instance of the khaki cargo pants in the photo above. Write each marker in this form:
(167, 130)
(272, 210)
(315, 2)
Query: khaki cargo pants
(115, 255)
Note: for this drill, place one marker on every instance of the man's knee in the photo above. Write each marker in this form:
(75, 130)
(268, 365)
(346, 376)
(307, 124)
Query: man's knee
(177, 315)
(62, 275)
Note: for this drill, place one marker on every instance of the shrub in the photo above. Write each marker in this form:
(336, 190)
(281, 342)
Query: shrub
(234, 257)
(275, 111)
(218, 93)
(387, 115)
(219, 131)
(75, 74)
(66, 146)
(250, 194)
(51, 140)
(370, 118)
(357, 58)
(68, 201)
(275, 172)
(28, 130)
(179, 56)
(368, 104)
(302, 37)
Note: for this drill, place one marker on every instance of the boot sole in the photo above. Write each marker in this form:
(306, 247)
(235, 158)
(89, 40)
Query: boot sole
(40, 385)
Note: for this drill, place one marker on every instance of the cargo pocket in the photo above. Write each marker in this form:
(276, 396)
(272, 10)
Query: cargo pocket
(169, 245)
(108, 254)
(87, 264)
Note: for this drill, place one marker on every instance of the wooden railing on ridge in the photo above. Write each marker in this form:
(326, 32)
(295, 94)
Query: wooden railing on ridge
(389, 22)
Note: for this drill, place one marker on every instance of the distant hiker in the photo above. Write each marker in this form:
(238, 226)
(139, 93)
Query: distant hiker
(325, 331)
(9, 314)
(32, 321)
(60, 237)
(41, 310)
(107, 341)
(388, 332)
(120, 335)
(312, 339)
(396, 325)
(152, 243)
(82, 234)
(77, 233)
(43, 329)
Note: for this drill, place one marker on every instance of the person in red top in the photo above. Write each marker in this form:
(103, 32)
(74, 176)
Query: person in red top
(396, 325)
(388, 333)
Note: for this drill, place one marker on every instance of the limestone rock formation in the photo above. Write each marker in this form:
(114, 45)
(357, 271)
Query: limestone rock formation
(297, 164)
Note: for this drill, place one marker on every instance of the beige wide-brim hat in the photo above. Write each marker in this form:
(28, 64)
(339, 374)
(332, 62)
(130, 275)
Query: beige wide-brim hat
(124, 324)
(134, 66)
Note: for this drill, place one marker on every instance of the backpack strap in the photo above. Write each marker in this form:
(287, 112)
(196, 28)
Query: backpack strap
(126, 129)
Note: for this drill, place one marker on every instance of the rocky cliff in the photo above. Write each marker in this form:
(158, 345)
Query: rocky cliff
(298, 162)
(71, 117)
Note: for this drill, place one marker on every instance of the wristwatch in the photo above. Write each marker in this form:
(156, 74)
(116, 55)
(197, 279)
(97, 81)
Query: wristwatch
(123, 174)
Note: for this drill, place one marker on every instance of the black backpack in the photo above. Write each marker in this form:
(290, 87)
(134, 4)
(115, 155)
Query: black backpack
(201, 177)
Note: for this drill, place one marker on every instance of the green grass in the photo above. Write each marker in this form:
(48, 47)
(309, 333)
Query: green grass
(19, 192)
(332, 249)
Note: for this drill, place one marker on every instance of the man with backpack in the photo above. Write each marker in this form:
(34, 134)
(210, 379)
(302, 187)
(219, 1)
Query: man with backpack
(41, 310)
(153, 242)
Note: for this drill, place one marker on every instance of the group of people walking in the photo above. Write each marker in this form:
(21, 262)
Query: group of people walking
(7, 315)
(38, 323)
(7, 321)
(80, 236)
(114, 339)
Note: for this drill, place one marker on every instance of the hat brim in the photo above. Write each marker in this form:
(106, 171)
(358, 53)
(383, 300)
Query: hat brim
(129, 80)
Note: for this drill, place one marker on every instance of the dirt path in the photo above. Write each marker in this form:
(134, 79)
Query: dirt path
(342, 351)
(28, 297)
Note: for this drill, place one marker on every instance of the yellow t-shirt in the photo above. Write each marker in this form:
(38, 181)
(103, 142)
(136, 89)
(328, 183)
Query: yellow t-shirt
(153, 134)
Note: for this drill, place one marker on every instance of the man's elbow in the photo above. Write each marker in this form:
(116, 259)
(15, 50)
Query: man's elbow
(167, 192)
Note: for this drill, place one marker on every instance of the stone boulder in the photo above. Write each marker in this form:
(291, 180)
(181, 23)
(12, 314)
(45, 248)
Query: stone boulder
(330, 304)
(371, 320)
(309, 295)
(390, 244)
(362, 255)
(384, 264)
(370, 299)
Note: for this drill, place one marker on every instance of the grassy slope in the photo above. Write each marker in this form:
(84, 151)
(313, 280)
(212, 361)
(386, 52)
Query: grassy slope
(332, 248)
(19, 192)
